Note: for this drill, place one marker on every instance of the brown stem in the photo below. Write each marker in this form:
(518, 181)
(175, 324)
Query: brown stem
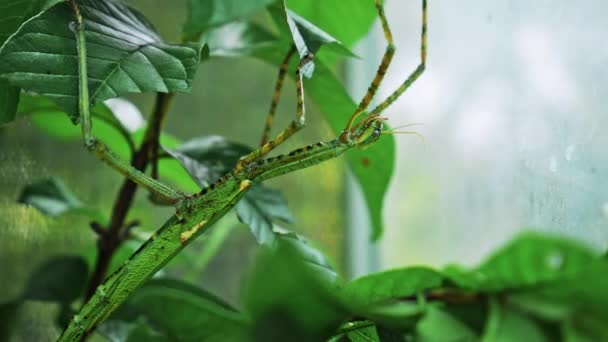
(117, 230)
(163, 101)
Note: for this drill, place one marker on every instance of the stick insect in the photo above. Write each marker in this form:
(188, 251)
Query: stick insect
(196, 213)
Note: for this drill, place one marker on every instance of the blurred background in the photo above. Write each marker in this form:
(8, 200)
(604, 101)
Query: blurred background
(513, 107)
(512, 112)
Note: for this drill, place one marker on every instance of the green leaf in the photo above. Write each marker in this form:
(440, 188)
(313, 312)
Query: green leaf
(584, 330)
(372, 168)
(581, 295)
(347, 20)
(530, 259)
(53, 198)
(183, 312)
(112, 126)
(9, 100)
(391, 285)
(287, 301)
(205, 14)
(125, 55)
(364, 334)
(50, 196)
(208, 158)
(400, 316)
(312, 257)
(259, 208)
(7, 318)
(143, 332)
(12, 14)
(306, 37)
(60, 279)
(438, 325)
(505, 324)
(248, 38)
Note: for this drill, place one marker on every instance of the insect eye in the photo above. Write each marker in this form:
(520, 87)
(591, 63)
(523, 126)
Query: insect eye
(376, 133)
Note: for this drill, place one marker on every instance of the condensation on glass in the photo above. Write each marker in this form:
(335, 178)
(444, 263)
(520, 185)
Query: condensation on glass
(513, 112)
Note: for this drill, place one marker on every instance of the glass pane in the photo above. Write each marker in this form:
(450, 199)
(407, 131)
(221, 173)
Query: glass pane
(513, 110)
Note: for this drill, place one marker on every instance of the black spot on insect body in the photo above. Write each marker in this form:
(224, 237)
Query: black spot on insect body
(292, 153)
(320, 144)
(300, 150)
(270, 160)
(212, 186)
(204, 191)
(280, 157)
(309, 147)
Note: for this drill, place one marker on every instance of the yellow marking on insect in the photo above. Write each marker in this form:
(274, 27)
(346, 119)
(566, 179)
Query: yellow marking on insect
(185, 236)
(245, 184)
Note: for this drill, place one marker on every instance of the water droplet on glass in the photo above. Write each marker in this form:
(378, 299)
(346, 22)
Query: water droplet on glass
(553, 164)
(605, 209)
(569, 153)
(555, 260)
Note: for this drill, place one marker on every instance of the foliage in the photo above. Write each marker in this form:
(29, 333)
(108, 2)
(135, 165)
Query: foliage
(536, 288)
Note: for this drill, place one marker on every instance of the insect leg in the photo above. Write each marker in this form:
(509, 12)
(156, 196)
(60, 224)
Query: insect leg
(276, 95)
(291, 129)
(382, 68)
(415, 74)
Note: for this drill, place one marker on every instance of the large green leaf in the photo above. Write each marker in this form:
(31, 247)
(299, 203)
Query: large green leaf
(208, 158)
(205, 14)
(113, 127)
(373, 168)
(9, 100)
(306, 37)
(182, 312)
(116, 122)
(581, 296)
(249, 37)
(439, 325)
(60, 279)
(399, 316)
(312, 257)
(258, 208)
(124, 53)
(391, 285)
(347, 20)
(288, 301)
(505, 324)
(366, 333)
(529, 260)
(53, 198)
(12, 14)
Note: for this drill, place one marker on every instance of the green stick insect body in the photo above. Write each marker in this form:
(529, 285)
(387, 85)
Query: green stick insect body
(197, 213)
